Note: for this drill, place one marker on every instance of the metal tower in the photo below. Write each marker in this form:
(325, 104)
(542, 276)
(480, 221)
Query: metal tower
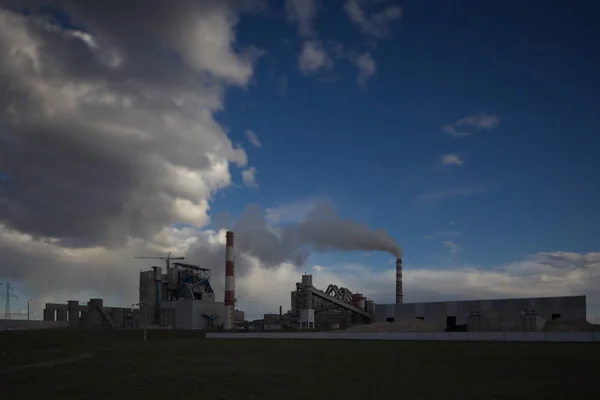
(7, 296)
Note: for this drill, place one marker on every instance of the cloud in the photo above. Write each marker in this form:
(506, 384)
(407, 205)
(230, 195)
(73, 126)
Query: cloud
(317, 56)
(452, 159)
(303, 12)
(441, 194)
(374, 24)
(282, 85)
(134, 141)
(366, 68)
(253, 138)
(452, 246)
(313, 58)
(479, 121)
(249, 177)
(127, 108)
(476, 121)
(452, 131)
(443, 234)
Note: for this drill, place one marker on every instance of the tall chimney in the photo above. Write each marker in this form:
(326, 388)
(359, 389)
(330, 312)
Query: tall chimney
(229, 281)
(399, 281)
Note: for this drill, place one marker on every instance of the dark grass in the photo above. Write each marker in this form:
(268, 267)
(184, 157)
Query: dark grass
(185, 365)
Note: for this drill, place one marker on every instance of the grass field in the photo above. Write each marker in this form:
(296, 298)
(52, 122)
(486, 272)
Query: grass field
(170, 365)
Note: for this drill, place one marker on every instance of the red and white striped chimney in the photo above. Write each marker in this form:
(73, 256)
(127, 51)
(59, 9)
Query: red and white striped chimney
(229, 272)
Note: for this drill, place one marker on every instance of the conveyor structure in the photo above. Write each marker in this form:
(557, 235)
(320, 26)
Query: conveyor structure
(339, 293)
(340, 303)
(336, 306)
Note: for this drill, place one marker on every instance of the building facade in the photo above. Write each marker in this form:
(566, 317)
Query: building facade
(453, 313)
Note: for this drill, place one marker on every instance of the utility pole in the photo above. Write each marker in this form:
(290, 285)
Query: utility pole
(145, 303)
(28, 312)
(7, 296)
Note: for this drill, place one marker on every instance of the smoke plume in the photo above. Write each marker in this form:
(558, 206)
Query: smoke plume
(322, 230)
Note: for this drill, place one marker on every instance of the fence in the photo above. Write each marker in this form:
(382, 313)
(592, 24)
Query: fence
(21, 325)
(429, 336)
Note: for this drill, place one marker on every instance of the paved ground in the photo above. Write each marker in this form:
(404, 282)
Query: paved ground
(62, 364)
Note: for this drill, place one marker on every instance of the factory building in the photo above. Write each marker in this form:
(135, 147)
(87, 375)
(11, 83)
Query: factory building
(183, 298)
(339, 308)
(336, 307)
(451, 314)
(92, 315)
(178, 297)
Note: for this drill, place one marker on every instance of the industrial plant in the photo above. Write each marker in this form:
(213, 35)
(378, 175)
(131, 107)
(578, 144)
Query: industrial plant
(181, 297)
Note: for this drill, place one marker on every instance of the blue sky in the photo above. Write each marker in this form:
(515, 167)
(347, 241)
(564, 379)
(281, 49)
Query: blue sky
(526, 186)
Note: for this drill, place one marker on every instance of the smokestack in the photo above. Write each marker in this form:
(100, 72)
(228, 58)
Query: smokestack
(399, 281)
(229, 281)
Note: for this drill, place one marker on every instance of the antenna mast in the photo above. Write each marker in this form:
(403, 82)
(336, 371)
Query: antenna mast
(167, 259)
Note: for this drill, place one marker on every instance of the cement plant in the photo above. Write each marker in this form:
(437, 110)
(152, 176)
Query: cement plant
(181, 297)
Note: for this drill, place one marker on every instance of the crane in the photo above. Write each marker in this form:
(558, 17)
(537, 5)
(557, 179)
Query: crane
(167, 259)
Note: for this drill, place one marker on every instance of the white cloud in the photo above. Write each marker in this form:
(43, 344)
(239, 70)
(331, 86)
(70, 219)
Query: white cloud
(439, 234)
(452, 246)
(476, 121)
(452, 159)
(366, 68)
(452, 131)
(313, 58)
(249, 177)
(480, 121)
(304, 12)
(253, 138)
(205, 42)
(374, 24)
(282, 85)
(441, 194)
(316, 57)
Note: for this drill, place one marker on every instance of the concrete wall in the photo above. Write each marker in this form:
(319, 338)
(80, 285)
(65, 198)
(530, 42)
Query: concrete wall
(86, 315)
(496, 322)
(189, 313)
(431, 336)
(238, 316)
(571, 307)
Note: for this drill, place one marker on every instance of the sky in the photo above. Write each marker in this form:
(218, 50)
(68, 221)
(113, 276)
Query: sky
(330, 136)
